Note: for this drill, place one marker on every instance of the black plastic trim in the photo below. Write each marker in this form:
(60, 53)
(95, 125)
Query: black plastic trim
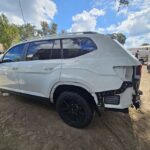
(124, 86)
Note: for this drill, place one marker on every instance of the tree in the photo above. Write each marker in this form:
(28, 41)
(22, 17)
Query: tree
(26, 31)
(45, 28)
(120, 37)
(53, 29)
(63, 31)
(9, 33)
(122, 3)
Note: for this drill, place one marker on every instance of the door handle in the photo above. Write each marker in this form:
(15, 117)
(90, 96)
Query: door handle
(48, 69)
(14, 68)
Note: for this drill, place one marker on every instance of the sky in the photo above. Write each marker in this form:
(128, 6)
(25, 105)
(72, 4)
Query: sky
(85, 15)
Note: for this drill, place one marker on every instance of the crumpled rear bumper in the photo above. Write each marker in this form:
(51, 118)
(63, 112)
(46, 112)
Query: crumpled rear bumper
(137, 100)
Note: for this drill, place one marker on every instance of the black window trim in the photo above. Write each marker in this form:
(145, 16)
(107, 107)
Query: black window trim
(61, 45)
(28, 44)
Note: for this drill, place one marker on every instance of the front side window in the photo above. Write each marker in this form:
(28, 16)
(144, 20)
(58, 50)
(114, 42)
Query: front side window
(75, 47)
(14, 54)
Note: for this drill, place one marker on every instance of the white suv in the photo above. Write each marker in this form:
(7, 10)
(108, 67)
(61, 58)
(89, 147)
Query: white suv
(79, 72)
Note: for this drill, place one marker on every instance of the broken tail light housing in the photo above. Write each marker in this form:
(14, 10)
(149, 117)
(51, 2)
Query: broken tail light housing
(138, 70)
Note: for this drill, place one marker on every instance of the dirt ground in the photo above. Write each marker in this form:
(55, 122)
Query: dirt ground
(28, 124)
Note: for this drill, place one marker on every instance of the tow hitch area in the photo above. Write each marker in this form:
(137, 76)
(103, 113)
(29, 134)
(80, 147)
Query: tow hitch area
(137, 100)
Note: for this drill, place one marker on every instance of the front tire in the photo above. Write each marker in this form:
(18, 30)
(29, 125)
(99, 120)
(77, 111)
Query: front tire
(74, 109)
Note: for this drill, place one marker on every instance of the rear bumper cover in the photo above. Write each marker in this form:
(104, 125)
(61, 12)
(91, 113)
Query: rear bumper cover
(136, 99)
(128, 94)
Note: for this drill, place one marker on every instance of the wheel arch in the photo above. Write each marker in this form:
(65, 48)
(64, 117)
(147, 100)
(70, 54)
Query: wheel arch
(72, 86)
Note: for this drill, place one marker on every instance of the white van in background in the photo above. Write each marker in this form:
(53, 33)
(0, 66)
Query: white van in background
(143, 53)
(148, 64)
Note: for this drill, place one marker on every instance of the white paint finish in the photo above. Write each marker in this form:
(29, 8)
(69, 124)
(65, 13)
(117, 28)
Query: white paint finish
(39, 76)
(9, 75)
(93, 80)
(77, 84)
(125, 73)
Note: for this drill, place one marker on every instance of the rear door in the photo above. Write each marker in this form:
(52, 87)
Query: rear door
(42, 67)
(9, 68)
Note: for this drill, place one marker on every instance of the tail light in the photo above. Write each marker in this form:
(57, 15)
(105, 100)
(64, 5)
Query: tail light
(137, 77)
(138, 70)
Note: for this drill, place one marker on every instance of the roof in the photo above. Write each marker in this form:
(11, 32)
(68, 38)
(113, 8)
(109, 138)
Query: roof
(61, 36)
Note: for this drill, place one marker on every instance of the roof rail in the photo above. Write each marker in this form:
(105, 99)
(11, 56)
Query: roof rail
(67, 33)
(33, 38)
(90, 32)
(85, 32)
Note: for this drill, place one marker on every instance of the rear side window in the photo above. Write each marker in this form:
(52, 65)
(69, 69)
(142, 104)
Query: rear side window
(75, 47)
(44, 50)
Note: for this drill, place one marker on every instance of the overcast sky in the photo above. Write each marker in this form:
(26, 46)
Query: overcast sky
(85, 15)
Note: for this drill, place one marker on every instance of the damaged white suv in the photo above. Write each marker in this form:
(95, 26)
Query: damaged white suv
(79, 72)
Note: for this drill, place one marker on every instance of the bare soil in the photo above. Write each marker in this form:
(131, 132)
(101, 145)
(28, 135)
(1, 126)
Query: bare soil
(29, 124)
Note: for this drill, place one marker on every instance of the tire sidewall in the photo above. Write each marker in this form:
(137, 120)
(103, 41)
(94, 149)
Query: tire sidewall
(82, 102)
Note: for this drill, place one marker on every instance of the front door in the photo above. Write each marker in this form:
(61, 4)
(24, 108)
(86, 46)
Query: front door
(9, 68)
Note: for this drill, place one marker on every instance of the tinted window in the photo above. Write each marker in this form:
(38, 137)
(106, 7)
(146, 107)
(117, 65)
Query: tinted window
(56, 53)
(43, 50)
(15, 53)
(40, 50)
(77, 46)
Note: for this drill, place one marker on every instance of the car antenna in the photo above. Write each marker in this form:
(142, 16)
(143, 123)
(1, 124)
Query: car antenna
(22, 12)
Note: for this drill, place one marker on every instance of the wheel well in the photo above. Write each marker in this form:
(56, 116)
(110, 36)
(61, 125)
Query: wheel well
(81, 91)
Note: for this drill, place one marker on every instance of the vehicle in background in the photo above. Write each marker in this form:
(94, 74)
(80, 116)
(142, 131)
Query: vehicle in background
(142, 52)
(148, 67)
(78, 72)
(148, 64)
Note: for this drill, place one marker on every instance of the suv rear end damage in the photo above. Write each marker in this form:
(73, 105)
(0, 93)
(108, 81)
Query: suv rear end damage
(127, 94)
(76, 72)
(136, 84)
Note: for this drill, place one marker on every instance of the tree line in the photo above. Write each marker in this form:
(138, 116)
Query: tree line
(11, 33)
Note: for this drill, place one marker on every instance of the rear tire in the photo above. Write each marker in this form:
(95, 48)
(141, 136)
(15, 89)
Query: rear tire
(74, 109)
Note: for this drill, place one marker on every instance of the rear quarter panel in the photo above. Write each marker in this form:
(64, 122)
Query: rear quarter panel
(96, 69)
